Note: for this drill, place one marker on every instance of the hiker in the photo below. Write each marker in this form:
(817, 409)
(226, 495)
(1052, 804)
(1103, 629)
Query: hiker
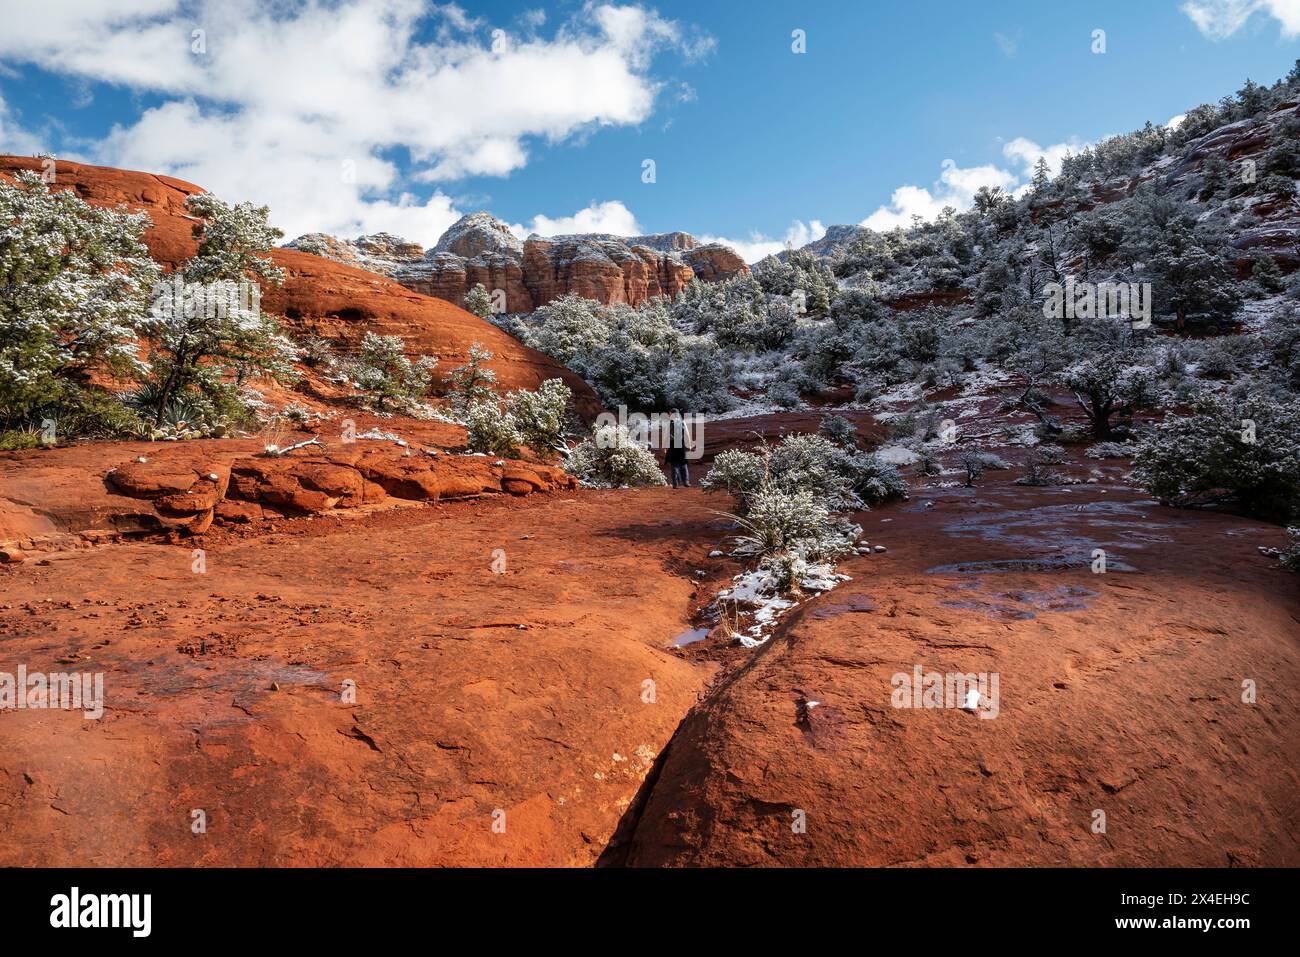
(679, 441)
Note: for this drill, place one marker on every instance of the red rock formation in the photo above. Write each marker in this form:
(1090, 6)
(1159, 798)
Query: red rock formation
(481, 249)
(320, 295)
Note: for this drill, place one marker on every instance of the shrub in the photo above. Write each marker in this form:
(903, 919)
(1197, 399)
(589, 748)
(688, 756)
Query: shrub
(1038, 469)
(1245, 451)
(479, 301)
(472, 383)
(317, 352)
(540, 416)
(386, 376)
(536, 419)
(792, 523)
(1291, 557)
(609, 458)
(210, 334)
(811, 463)
(839, 430)
(491, 431)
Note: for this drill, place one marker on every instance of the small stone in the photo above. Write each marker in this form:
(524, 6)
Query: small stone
(275, 686)
(880, 548)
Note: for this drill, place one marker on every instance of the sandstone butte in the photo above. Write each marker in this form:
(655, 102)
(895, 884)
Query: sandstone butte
(320, 296)
(481, 249)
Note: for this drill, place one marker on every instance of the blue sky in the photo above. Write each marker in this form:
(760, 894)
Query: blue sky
(400, 114)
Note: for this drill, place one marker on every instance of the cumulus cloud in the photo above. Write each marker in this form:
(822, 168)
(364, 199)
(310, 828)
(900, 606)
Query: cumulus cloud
(1220, 19)
(758, 245)
(956, 187)
(609, 217)
(13, 138)
(302, 106)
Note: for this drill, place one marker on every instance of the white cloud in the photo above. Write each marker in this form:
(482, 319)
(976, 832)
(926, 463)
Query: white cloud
(1027, 153)
(1220, 19)
(609, 217)
(14, 139)
(1009, 46)
(956, 187)
(758, 245)
(284, 95)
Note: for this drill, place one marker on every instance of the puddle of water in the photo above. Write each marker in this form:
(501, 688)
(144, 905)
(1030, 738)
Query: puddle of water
(992, 610)
(1016, 605)
(849, 604)
(1051, 563)
(690, 636)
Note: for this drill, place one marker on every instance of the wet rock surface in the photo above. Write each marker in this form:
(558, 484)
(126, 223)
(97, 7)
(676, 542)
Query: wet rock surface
(1118, 692)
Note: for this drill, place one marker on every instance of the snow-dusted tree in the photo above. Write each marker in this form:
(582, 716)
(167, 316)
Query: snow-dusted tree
(210, 333)
(1243, 450)
(386, 375)
(479, 301)
(1113, 375)
(697, 381)
(570, 330)
(541, 416)
(472, 382)
(839, 430)
(74, 289)
(610, 458)
(489, 430)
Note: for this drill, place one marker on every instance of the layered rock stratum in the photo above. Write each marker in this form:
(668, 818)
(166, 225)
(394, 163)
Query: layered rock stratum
(481, 249)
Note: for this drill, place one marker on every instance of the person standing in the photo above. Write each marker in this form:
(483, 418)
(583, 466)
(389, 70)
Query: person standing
(678, 442)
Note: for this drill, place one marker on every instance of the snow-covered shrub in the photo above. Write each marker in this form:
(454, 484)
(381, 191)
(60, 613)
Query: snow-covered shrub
(533, 418)
(479, 301)
(697, 381)
(1111, 450)
(609, 458)
(317, 352)
(1038, 467)
(1112, 377)
(489, 430)
(1242, 450)
(1291, 557)
(871, 478)
(386, 375)
(975, 462)
(839, 430)
(735, 472)
(783, 394)
(793, 523)
(74, 292)
(472, 382)
(838, 477)
(540, 416)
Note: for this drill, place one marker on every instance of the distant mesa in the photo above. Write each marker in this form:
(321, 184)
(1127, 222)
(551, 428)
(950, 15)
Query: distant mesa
(479, 248)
